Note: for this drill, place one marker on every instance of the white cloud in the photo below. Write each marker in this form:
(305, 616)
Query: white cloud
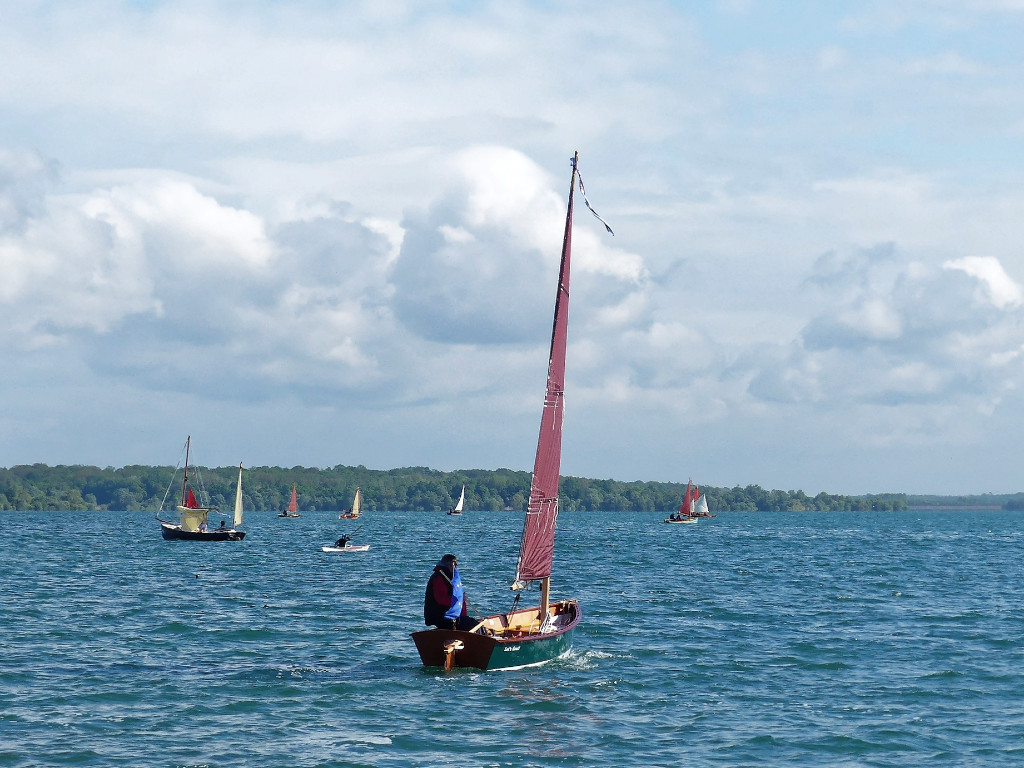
(92, 261)
(479, 266)
(1001, 289)
(893, 332)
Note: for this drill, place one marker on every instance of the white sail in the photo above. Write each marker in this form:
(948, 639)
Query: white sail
(238, 499)
(357, 502)
(702, 505)
(462, 500)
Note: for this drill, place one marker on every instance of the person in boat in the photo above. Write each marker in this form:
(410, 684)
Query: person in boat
(202, 527)
(223, 526)
(343, 541)
(444, 603)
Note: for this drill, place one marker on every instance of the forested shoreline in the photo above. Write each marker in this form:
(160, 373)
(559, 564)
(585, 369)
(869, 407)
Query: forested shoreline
(145, 488)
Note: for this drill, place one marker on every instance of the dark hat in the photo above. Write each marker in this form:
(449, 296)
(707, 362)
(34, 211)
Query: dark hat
(447, 560)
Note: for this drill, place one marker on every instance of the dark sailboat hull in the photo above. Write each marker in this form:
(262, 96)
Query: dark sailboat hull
(173, 532)
(507, 647)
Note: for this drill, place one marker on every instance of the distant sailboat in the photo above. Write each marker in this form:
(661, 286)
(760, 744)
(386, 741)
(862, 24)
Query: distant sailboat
(192, 522)
(237, 519)
(457, 509)
(700, 509)
(357, 507)
(293, 505)
(527, 636)
(687, 510)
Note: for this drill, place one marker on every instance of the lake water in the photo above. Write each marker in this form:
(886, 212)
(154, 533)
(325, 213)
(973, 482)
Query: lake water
(751, 639)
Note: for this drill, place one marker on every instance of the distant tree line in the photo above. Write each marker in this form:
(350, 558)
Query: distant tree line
(42, 487)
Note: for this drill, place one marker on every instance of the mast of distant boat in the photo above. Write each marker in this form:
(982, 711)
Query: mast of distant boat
(237, 521)
(184, 482)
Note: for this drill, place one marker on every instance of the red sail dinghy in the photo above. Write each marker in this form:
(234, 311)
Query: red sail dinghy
(293, 504)
(688, 509)
(527, 636)
(694, 506)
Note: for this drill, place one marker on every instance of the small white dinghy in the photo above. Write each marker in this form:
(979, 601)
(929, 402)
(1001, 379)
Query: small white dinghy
(344, 544)
(348, 548)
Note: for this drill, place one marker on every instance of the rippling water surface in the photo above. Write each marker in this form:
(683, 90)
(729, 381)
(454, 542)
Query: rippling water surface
(751, 639)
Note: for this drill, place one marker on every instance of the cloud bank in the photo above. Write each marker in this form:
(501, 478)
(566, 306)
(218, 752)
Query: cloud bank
(320, 235)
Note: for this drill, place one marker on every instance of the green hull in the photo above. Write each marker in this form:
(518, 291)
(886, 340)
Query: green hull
(482, 651)
(526, 653)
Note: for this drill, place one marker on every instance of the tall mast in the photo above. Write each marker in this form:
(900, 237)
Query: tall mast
(536, 552)
(184, 482)
(545, 583)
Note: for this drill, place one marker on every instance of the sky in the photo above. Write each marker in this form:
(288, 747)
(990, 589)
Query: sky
(322, 233)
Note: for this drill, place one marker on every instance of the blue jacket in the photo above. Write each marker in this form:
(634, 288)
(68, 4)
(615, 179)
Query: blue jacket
(458, 606)
(443, 600)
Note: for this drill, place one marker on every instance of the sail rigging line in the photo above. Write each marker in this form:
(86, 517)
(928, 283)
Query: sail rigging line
(472, 607)
(515, 604)
(587, 202)
(174, 474)
(204, 496)
(184, 482)
(171, 484)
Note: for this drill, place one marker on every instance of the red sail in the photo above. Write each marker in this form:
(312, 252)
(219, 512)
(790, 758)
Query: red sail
(537, 550)
(689, 498)
(293, 505)
(190, 501)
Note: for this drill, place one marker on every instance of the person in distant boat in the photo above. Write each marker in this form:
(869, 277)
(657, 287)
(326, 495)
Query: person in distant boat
(343, 541)
(444, 602)
(202, 527)
(223, 527)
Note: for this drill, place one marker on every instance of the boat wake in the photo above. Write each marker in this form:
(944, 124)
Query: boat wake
(584, 660)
